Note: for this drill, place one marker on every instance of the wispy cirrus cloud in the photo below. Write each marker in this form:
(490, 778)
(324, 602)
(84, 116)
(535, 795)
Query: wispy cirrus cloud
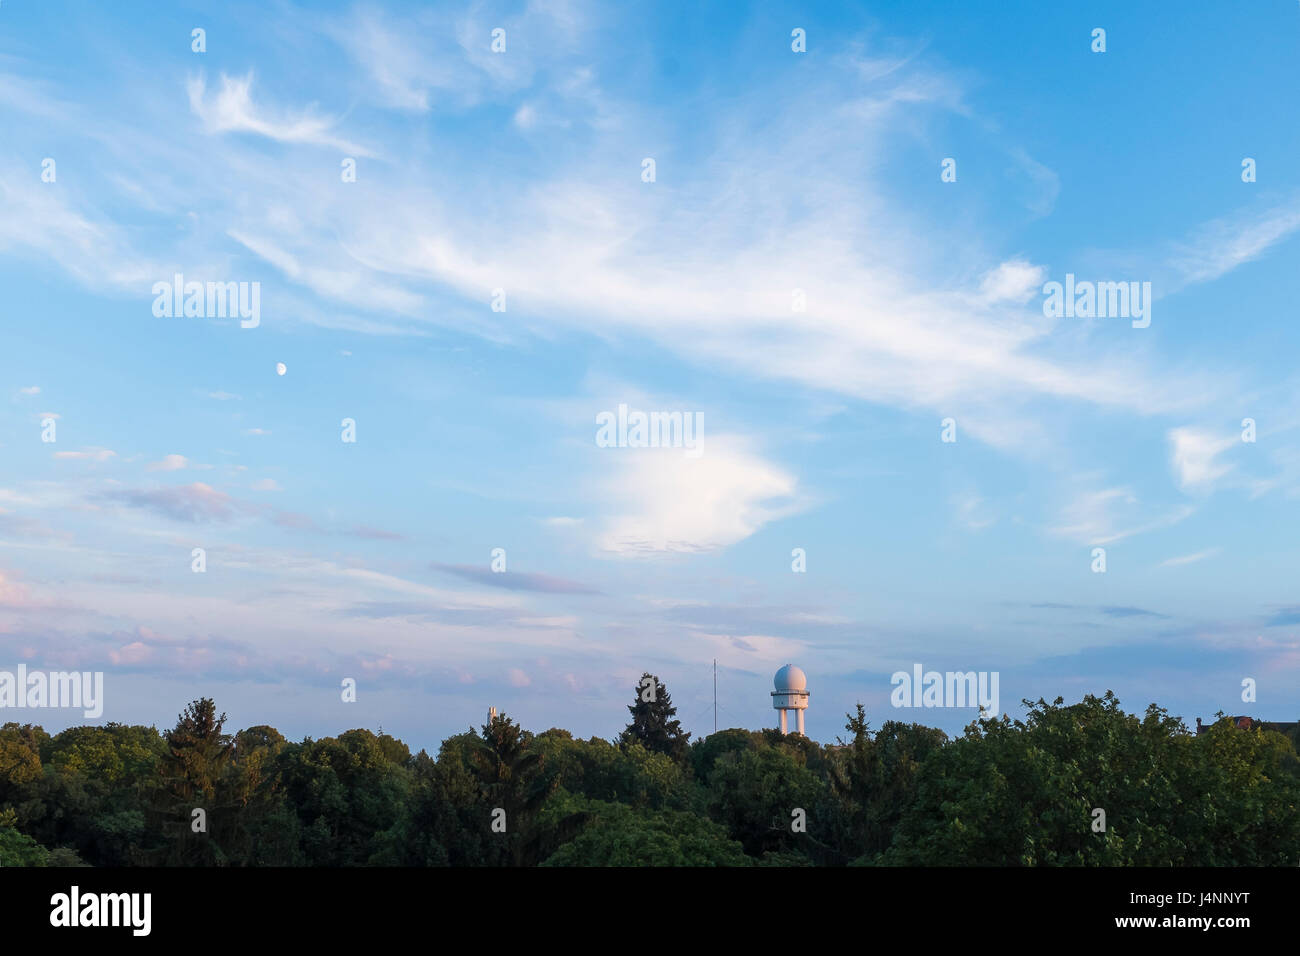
(1130, 612)
(1224, 244)
(588, 254)
(86, 454)
(294, 521)
(55, 227)
(514, 580)
(1285, 617)
(374, 534)
(195, 503)
(25, 526)
(1110, 515)
(1188, 558)
(1114, 611)
(231, 110)
(417, 60)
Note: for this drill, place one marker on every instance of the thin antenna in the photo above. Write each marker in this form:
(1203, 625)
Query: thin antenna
(715, 695)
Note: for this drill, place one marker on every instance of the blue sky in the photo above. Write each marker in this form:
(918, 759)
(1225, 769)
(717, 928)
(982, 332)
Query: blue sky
(522, 171)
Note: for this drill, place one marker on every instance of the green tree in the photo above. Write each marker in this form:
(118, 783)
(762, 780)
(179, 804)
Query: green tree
(511, 779)
(1024, 793)
(706, 750)
(20, 757)
(651, 780)
(263, 829)
(654, 724)
(755, 794)
(96, 791)
(593, 768)
(114, 753)
(873, 779)
(18, 849)
(347, 794)
(193, 777)
(197, 750)
(618, 835)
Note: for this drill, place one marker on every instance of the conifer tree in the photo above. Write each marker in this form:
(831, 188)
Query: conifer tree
(193, 777)
(510, 779)
(654, 724)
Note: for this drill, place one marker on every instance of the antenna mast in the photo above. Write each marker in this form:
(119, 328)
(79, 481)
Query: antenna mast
(715, 695)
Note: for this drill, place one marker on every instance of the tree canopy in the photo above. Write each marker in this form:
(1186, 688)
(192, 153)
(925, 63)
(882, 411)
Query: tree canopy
(654, 720)
(1082, 784)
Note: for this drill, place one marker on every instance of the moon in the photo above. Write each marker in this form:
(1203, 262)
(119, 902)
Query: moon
(280, 368)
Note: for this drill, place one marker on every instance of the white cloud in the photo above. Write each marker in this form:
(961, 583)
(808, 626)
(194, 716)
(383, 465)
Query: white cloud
(1224, 244)
(665, 501)
(754, 649)
(404, 73)
(692, 272)
(1109, 515)
(1194, 457)
(136, 652)
(87, 454)
(562, 521)
(1048, 183)
(422, 60)
(1013, 281)
(972, 512)
(347, 284)
(525, 117)
(265, 484)
(87, 247)
(169, 463)
(701, 262)
(1089, 517)
(676, 261)
(232, 110)
(13, 594)
(1188, 558)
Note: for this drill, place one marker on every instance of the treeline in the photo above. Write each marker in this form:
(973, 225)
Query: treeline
(1080, 784)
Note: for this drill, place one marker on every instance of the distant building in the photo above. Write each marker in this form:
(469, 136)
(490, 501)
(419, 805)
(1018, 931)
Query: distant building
(791, 694)
(1246, 723)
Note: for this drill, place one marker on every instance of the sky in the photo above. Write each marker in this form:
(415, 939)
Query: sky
(462, 251)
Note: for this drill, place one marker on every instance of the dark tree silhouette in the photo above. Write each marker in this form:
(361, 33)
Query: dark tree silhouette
(193, 777)
(654, 724)
(511, 779)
